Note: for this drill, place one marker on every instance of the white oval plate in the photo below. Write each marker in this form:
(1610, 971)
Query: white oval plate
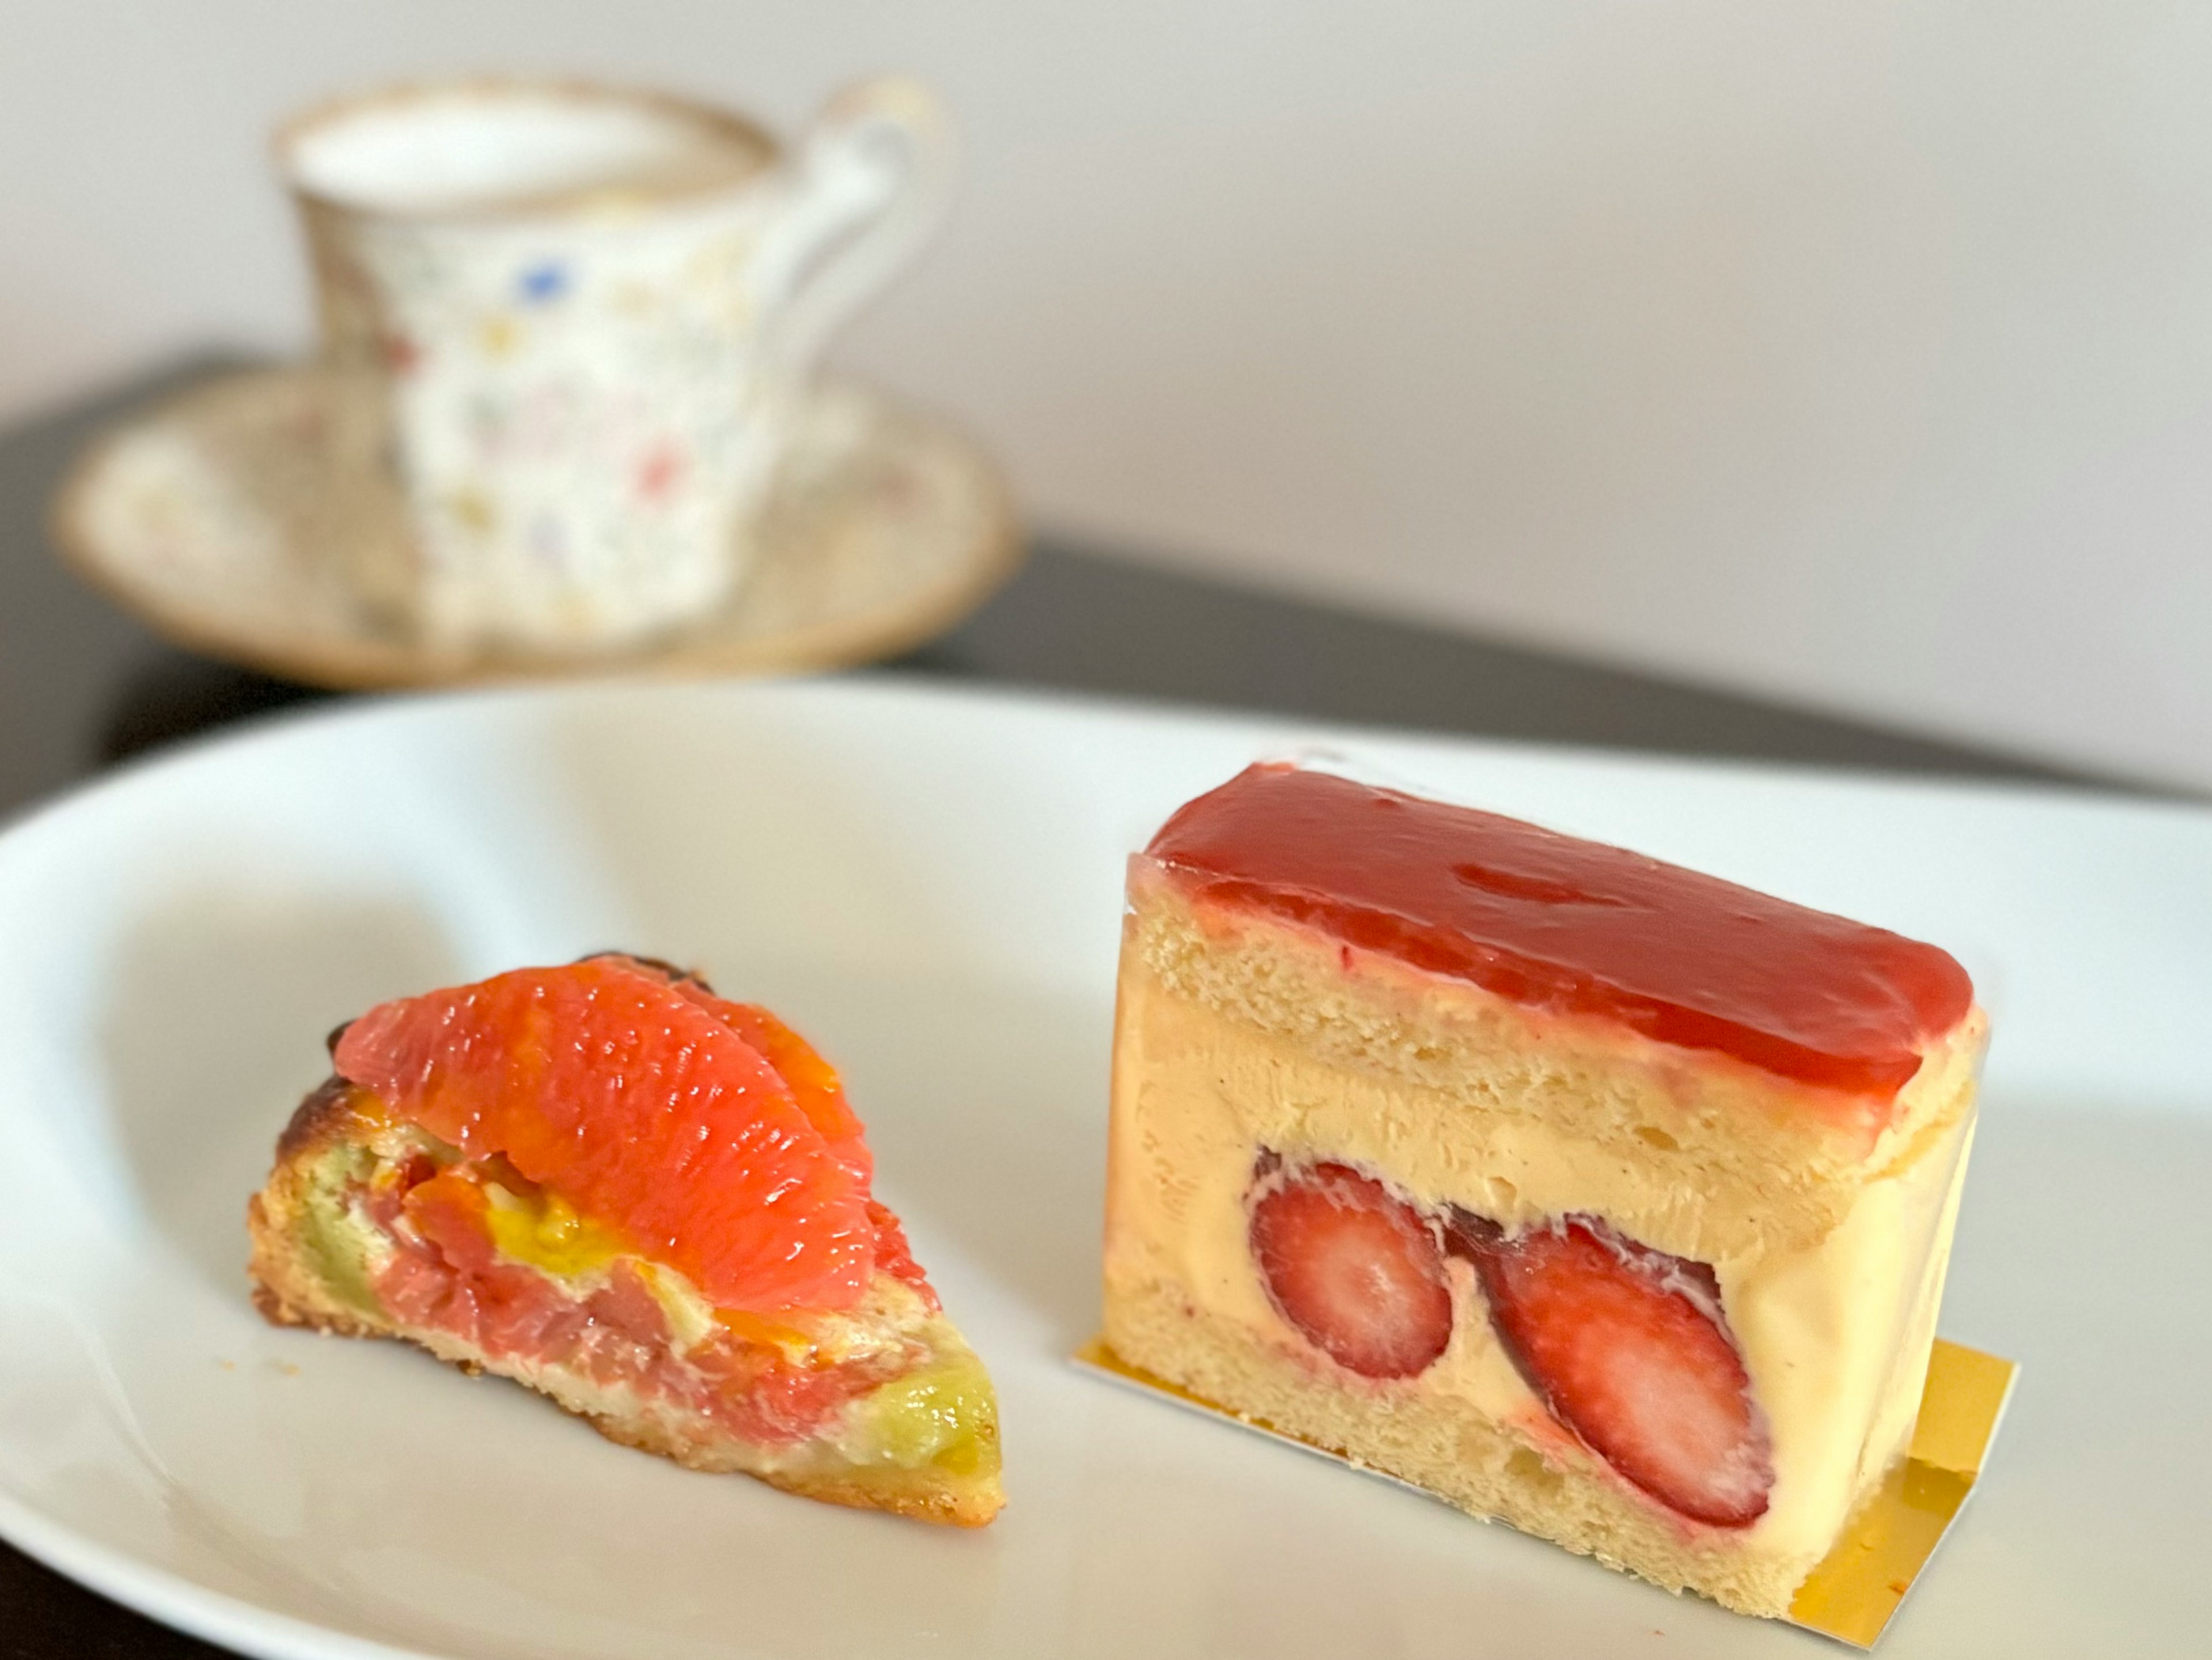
(928, 881)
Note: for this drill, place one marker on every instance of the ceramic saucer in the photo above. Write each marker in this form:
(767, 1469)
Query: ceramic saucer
(219, 519)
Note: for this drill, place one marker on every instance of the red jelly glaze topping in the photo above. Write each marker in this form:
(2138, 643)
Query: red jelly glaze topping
(1571, 926)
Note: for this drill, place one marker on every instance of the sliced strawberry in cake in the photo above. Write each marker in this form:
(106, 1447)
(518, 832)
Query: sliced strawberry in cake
(648, 1202)
(1628, 1348)
(1355, 1269)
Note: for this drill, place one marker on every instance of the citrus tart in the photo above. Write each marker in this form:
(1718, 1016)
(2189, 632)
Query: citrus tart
(1586, 1192)
(649, 1203)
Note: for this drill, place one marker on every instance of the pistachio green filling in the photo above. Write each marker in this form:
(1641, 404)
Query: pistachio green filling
(329, 1238)
(943, 1414)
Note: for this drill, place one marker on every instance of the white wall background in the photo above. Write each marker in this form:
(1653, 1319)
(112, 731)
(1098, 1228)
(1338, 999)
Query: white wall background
(1854, 351)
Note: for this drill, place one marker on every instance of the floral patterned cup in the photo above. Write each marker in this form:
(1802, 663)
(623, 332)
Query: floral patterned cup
(569, 323)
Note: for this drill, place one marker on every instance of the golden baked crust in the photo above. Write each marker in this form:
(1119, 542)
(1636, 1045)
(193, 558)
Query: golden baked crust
(921, 1502)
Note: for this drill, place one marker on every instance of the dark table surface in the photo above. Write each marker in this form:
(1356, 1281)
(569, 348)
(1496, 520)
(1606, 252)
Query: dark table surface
(83, 686)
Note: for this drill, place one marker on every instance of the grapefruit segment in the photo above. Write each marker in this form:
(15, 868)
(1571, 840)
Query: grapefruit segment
(648, 1110)
(813, 1082)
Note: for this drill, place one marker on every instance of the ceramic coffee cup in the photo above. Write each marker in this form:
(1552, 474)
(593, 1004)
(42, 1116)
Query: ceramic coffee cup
(569, 325)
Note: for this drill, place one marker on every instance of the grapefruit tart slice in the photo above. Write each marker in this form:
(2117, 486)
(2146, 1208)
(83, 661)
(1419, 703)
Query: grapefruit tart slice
(649, 1203)
(1587, 1192)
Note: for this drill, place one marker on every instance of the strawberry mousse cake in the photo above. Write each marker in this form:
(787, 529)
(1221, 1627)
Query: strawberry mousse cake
(650, 1203)
(1588, 1193)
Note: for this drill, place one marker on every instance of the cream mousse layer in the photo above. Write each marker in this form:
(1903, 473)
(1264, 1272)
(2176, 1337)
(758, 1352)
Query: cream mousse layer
(1238, 1035)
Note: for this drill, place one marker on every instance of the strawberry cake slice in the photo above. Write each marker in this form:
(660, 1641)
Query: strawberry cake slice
(1586, 1192)
(652, 1204)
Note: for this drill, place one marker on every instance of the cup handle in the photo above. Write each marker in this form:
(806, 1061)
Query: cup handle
(874, 172)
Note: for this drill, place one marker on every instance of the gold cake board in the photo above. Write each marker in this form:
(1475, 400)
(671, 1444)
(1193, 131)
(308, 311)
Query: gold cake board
(1851, 1595)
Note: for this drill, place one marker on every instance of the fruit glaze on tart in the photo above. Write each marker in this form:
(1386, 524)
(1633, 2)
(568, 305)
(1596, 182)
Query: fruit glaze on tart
(1584, 1191)
(651, 1204)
